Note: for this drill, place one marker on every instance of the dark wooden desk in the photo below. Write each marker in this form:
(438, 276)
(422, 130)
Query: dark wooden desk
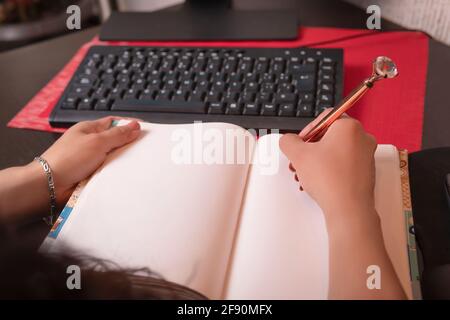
(23, 72)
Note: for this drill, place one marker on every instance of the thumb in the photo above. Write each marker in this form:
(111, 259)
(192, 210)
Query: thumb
(293, 146)
(120, 135)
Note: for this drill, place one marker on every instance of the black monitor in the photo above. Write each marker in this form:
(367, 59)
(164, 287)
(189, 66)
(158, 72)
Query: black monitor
(201, 20)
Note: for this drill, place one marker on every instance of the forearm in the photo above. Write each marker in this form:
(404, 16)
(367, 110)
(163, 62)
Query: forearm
(355, 244)
(23, 193)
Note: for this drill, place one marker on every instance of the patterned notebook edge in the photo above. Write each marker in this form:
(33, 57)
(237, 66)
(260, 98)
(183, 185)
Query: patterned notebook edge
(409, 224)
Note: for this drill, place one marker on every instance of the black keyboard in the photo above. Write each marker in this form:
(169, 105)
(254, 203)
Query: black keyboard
(270, 88)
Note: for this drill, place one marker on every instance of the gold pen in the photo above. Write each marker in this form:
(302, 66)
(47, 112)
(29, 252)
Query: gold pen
(383, 67)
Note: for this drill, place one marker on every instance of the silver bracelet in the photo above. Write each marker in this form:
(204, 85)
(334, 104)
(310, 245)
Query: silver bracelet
(51, 188)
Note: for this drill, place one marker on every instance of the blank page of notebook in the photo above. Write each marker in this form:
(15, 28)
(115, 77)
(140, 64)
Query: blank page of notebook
(143, 209)
(281, 250)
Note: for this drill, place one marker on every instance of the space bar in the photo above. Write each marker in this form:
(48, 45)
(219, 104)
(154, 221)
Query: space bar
(159, 106)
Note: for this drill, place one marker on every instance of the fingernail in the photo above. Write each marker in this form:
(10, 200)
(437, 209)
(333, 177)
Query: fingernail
(134, 125)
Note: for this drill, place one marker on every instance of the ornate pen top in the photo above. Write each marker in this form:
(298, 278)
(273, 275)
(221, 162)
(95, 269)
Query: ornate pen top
(384, 67)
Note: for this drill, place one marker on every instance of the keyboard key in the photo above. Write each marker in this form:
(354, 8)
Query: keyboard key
(158, 106)
(164, 95)
(236, 77)
(248, 97)
(70, 103)
(103, 104)
(306, 82)
(264, 97)
(325, 99)
(269, 109)
(130, 94)
(305, 110)
(203, 86)
(310, 60)
(234, 108)
(213, 96)
(327, 69)
(236, 86)
(284, 77)
(116, 93)
(327, 60)
(170, 85)
(139, 84)
(268, 87)
(218, 86)
(268, 77)
(86, 104)
(325, 77)
(251, 109)
(297, 68)
(252, 86)
(216, 108)
(81, 91)
(197, 95)
(187, 85)
(187, 75)
(251, 77)
(286, 88)
(180, 95)
(326, 88)
(148, 94)
(286, 97)
(286, 110)
(101, 92)
(230, 97)
(306, 97)
(155, 84)
(278, 65)
(218, 77)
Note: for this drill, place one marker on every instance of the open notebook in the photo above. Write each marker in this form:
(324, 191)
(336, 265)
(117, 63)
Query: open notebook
(232, 231)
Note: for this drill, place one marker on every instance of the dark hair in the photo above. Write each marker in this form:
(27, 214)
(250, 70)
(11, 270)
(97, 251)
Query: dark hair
(25, 273)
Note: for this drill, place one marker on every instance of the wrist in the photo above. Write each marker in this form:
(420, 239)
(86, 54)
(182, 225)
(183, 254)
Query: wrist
(25, 194)
(352, 219)
(33, 176)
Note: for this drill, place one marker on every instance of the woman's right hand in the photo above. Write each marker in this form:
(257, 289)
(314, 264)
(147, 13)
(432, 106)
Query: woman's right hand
(338, 171)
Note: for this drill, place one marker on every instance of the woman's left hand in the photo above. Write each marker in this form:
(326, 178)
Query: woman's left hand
(82, 149)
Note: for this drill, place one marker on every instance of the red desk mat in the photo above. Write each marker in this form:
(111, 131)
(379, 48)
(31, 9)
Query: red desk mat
(392, 111)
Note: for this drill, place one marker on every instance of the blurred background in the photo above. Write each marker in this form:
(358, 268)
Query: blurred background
(26, 21)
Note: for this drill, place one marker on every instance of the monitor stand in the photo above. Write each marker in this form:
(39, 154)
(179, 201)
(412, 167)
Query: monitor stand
(201, 20)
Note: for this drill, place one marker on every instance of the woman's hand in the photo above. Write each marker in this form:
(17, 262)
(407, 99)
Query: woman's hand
(338, 171)
(72, 158)
(82, 149)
